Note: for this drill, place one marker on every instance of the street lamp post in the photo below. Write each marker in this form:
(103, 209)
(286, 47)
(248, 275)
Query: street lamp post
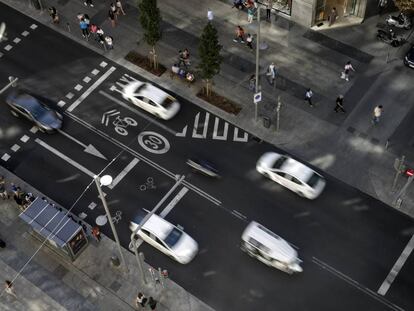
(106, 181)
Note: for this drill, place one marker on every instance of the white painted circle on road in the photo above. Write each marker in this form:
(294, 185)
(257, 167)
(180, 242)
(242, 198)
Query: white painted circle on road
(153, 142)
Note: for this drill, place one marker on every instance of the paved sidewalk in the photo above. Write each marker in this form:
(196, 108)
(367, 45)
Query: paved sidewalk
(345, 146)
(49, 282)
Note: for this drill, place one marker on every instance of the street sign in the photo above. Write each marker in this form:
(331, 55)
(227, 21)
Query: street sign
(257, 97)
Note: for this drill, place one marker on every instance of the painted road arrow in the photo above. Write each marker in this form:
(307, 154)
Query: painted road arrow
(87, 148)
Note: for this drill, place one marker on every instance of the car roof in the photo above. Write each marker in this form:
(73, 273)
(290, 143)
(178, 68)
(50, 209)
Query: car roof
(278, 248)
(152, 92)
(297, 169)
(158, 226)
(25, 100)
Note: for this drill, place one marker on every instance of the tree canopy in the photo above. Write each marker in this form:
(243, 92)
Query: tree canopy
(150, 19)
(209, 52)
(405, 5)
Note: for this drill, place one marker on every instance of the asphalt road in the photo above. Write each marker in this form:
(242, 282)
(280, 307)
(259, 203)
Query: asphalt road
(348, 241)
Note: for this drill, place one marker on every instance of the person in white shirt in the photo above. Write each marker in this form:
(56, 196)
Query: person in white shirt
(308, 97)
(378, 110)
(210, 15)
(348, 67)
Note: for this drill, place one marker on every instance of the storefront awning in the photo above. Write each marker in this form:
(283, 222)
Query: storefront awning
(45, 218)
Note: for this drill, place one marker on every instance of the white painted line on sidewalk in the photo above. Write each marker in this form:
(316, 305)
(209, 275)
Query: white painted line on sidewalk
(174, 202)
(24, 138)
(33, 26)
(69, 95)
(34, 129)
(142, 115)
(205, 126)
(25, 33)
(103, 64)
(5, 157)
(17, 40)
(240, 139)
(397, 267)
(78, 87)
(123, 173)
(86, 79)
(64, 157)
(8, 47)
(226, 129)
(15, 147)
(356, 284)
(95, 72)
(91, 88)
(61, 103)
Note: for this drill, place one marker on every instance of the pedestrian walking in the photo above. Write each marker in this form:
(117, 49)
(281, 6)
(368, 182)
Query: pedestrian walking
(19, 198)
(88, 2)
(332, 16)
(381, 6)
(378, 110)
(271, 73)
(250, 13)
(340, 104)
(210, 15)
(112, 17)
(84, 28)
(93, 29)
(3, 192)
(308, 97)
(152, 303)
(54, 15)
(141, 300)
(100, 33)
(249, 41)
(9, 288)
(112, 7)
(239, 34)
(109, 42)
(96, 233)
(347, 68)
(269, 6)
(119, 7)
(238, 4)
(79, 16)
(252, 82)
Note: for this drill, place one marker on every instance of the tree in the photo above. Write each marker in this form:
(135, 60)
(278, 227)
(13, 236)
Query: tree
(405, 5)
(209, 52)
(150, 19)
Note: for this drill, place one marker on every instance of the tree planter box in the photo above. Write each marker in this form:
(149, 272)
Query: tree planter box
(144, 63)
(220, 102)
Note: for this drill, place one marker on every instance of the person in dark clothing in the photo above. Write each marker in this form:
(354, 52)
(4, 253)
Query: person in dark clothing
(152, 303)
(340, 104)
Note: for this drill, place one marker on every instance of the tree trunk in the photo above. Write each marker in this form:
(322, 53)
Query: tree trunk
(154, 58)
(208, 87)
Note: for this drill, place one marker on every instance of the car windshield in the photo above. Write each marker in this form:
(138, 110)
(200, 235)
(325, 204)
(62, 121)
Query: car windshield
(140, 88)
(167, 102)
(279, 162)
(313, 180)
(173, 237)
(38, 111)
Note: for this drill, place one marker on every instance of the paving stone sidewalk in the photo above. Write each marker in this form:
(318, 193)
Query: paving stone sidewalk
(340, 145)
(49, 282)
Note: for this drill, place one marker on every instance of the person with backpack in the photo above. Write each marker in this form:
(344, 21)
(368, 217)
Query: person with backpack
(347, 68)
(308, 97)
(141, 300)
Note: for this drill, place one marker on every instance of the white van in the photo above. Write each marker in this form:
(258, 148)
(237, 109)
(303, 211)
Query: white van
(269, 248)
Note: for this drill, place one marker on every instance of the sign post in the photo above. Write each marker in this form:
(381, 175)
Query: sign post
(257, 97)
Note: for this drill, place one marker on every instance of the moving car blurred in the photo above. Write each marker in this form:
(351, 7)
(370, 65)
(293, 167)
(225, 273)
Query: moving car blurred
(291, 174)
(23, 104)
(151, 99)
(204, 167)
(409, 57)
(167, 238)
(269, 248)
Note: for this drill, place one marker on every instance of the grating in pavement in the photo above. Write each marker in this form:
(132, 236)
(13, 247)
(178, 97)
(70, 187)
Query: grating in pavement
(115, 286)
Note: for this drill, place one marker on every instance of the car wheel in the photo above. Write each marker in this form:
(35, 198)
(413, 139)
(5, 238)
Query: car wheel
(14, 113)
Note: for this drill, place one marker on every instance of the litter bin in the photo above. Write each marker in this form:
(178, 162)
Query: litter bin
(115, 261)
(36, 4)
(266, 122)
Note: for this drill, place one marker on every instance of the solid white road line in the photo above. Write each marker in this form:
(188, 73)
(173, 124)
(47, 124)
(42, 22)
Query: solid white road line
(226, 128)
(174, 202)
(77, 102)
(397, 267)
(64, 157)
(123, 173)
(151, 120)
(356, 284)
(205, 127)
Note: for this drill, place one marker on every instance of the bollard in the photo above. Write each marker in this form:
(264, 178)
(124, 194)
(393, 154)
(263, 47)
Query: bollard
(115, 261)
(68, 26)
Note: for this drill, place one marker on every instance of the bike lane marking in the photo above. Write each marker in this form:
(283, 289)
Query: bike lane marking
(91, 89)
(136, 111)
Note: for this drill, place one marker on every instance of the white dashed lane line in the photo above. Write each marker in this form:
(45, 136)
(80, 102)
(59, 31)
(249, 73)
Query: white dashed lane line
(17, 40)
(24, 138)
(8, 47)
(15, 147)
(5, 157)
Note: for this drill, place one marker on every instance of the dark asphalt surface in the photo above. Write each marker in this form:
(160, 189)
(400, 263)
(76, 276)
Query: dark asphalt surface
(343, 237)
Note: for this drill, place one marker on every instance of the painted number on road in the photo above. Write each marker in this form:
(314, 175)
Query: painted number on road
(153, 142)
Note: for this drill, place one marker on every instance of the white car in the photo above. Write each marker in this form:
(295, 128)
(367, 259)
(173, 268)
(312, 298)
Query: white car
(291, 174)
(167, 238)
(151, 99)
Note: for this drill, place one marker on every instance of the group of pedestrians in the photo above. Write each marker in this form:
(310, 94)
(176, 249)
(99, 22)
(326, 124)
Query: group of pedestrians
(115, 9)
(141, 302)
(21, 198)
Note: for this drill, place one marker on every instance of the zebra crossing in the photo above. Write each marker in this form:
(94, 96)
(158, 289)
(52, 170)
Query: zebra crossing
(220, 129)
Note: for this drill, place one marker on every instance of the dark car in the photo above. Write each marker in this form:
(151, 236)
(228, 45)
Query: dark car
(23, 104)
(409, 58)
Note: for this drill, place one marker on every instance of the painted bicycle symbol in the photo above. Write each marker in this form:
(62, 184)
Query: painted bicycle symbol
(149, 184)
(117, 217)
(153, 142)
(122, 123)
